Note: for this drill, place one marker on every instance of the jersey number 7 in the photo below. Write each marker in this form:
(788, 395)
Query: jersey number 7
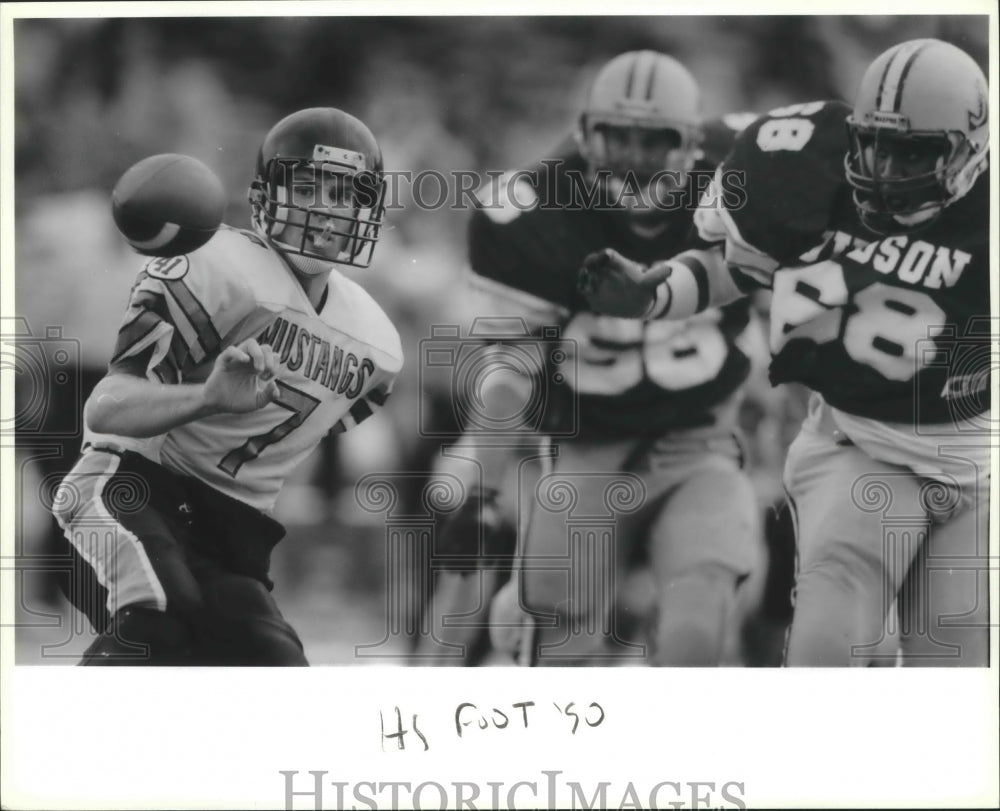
(298, 402)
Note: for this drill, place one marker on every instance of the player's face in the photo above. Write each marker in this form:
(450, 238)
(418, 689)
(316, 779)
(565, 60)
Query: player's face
(639, 150)
(895, 160)
(648, 167)
(326, 195)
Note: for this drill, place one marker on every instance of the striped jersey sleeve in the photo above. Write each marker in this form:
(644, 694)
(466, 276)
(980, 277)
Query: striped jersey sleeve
(750, 267)
(365, 406)
(180, 310)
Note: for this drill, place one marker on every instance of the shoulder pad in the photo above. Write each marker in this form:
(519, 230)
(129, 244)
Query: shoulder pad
(720, 135)
(789, 164)
(361, 317)
(507, 197)
(208, 287)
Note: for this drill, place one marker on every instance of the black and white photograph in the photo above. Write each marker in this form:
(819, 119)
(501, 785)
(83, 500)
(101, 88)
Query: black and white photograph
(427, 406)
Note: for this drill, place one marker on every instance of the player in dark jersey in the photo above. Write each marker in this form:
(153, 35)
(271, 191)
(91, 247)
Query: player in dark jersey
(641, 416)
(874, 240)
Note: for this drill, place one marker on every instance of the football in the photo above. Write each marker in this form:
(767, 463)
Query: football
(167, 205)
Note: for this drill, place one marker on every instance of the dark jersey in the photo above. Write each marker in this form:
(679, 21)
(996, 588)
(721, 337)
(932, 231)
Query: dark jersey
(527, 242)
(892, 328)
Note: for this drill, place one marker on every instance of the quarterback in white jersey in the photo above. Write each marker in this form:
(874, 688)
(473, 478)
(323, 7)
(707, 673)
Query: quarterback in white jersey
(334, 362)
(231, 365)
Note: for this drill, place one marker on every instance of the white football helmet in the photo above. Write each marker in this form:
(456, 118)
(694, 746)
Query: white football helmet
(920, 98)
(644, 90)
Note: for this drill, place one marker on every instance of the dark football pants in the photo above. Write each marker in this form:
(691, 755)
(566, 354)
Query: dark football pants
(164, 551)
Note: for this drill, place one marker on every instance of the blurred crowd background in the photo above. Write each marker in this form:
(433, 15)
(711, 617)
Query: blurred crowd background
(92, 96)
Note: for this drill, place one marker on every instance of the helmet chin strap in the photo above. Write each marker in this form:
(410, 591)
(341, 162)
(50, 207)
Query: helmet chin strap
(957, 186)
(920, 217)
(311, 274)
(960, 184)
(306, 265)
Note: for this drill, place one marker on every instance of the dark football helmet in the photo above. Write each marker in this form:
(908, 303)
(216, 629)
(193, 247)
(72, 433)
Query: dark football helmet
(320, 190)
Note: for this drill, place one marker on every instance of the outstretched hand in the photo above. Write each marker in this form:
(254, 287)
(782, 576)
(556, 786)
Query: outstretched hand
(242, 379)
(615, 285)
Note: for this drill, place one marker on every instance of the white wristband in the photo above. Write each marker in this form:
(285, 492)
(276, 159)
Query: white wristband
(660, 304)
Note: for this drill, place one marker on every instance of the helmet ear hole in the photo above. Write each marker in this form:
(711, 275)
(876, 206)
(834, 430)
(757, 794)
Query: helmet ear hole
(280, 219)
(578, 133)
(582, 139)
(691, 158)
(279, 214)
(258, 202)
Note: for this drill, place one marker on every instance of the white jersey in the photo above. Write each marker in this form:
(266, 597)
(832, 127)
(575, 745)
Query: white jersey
(334, 366)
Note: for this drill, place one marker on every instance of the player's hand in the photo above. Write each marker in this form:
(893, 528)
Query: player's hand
(480, 516)
(242, 379)
(614, 285)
